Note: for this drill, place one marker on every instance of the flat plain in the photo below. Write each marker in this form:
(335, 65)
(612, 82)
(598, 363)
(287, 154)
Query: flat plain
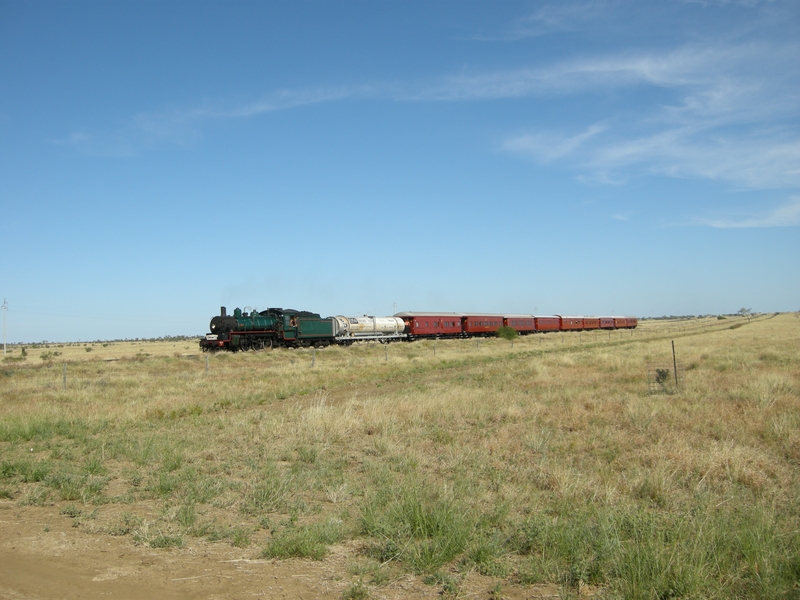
(559, 465)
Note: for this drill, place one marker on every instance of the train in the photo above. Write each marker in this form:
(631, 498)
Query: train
(289, 328)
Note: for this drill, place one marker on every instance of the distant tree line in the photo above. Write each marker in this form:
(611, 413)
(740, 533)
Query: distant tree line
(742, 312)
(48, 344)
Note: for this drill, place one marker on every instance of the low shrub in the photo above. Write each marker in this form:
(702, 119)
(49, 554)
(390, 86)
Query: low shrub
(507, 333)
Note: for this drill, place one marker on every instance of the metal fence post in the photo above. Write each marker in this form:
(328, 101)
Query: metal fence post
(674, 364)
(65, 376)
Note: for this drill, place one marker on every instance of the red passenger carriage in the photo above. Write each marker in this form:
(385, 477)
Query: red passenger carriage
(482, 324)
(606, 322)
(571, 323)
(523, 324)
(431, 324)
(591, 323)
(545, 324)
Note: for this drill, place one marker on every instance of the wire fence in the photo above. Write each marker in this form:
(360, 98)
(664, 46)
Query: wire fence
(664, 378)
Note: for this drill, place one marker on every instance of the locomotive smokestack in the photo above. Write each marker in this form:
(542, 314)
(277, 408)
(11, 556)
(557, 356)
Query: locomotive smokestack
(223, 312)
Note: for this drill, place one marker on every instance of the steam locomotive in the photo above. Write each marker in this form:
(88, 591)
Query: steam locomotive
(286, 327)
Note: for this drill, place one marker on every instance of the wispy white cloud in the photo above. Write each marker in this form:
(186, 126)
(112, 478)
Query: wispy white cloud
(684, 67)
(747, 3)
(625, 216)
(122, 142)
(751, 159)
(286, 99)
(731, 117)
(548, 19)
(547, 147)
(77, 137)
(724, 112)
(182, 126)
(748, 160)
(714, 79)
(569, 77)
(787, 215)
(565, 16)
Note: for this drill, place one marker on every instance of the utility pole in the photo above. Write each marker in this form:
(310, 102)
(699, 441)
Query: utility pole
(5, 310)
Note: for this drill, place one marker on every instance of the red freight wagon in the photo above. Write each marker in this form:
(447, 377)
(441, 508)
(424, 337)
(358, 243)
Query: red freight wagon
(620, 322)
(421, 324)
(521, 323)
(482, 324)
(546, 324)
(591, 323)
(632, 322)
(606, 322)
(571, 323)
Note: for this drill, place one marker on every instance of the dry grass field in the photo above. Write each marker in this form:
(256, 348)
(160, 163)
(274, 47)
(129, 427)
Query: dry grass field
(560, 466)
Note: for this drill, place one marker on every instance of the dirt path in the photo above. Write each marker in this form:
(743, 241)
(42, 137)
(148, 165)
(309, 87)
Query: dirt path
(43, 557)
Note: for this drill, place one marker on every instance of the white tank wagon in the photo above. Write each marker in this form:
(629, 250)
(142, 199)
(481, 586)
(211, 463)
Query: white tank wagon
(350, 329)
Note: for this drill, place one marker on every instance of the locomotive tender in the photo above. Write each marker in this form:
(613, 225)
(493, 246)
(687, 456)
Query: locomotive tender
(279, 327)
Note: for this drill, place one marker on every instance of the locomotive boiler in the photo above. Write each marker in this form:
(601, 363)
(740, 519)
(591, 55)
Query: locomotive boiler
(274, 327)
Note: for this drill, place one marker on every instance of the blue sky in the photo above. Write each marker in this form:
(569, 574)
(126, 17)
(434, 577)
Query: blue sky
(160, 159)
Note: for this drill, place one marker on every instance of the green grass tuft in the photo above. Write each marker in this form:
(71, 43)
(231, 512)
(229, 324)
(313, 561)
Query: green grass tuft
(419, 527)
(305, 542)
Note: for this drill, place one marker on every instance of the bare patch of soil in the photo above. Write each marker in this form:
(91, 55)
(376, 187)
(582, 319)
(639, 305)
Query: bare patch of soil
(42, 556)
